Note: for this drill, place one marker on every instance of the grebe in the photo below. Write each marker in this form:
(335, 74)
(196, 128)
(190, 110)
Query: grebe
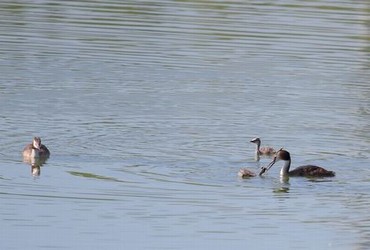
(267, 151)
(245, 173)
(306, 171)
(36, 150)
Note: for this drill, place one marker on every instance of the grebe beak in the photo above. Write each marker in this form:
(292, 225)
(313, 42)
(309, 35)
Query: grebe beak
(271, 163)
(265, 169)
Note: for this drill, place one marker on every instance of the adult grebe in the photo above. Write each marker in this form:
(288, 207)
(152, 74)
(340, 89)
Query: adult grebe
(306, 171)
(267, 151)
(36, 150)
(245, 173)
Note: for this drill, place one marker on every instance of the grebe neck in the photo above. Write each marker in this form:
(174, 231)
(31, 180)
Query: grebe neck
(285, 169)
(258, 146)
(257, 154)
(35, 152)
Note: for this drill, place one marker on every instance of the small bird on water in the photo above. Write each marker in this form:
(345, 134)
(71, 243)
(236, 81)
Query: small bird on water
(36, 150)
(262, 151)
(245, 173)
(304, 171)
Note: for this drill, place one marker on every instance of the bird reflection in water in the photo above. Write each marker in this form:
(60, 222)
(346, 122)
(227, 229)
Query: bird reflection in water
(35, 164)
(35, 154)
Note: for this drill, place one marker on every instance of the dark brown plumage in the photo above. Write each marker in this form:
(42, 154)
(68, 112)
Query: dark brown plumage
(311, 171)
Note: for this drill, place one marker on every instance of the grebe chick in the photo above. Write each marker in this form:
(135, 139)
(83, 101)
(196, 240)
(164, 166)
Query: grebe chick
(305, 171)
(36, 150)
(266, 151)
(245, 173)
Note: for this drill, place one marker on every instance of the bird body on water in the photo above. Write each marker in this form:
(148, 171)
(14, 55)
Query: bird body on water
(262, 151)
(305, 171)
(36, 150)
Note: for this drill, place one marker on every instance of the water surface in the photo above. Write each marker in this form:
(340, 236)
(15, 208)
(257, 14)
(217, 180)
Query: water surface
(148, 109)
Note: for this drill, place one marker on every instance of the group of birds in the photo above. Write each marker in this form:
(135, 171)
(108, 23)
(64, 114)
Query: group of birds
(283, 155)
(36, 150)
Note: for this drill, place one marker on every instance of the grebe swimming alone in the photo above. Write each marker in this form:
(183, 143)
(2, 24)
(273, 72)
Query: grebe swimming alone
(305, 171)
(36, 149)
(267, 151)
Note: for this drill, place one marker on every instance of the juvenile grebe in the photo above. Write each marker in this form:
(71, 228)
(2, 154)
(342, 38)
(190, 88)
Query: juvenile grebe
(36, 150)
(245, 173)
(267, 151)
(306, 171)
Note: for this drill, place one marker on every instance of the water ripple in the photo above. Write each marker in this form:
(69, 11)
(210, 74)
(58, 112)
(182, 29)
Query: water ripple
(148, 109)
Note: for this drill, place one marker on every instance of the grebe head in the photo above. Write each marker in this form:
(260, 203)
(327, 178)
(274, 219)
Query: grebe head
(281, 154)
(256, 140)
(36, 142)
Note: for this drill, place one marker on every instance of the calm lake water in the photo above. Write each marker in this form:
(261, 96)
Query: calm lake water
(148, 108)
